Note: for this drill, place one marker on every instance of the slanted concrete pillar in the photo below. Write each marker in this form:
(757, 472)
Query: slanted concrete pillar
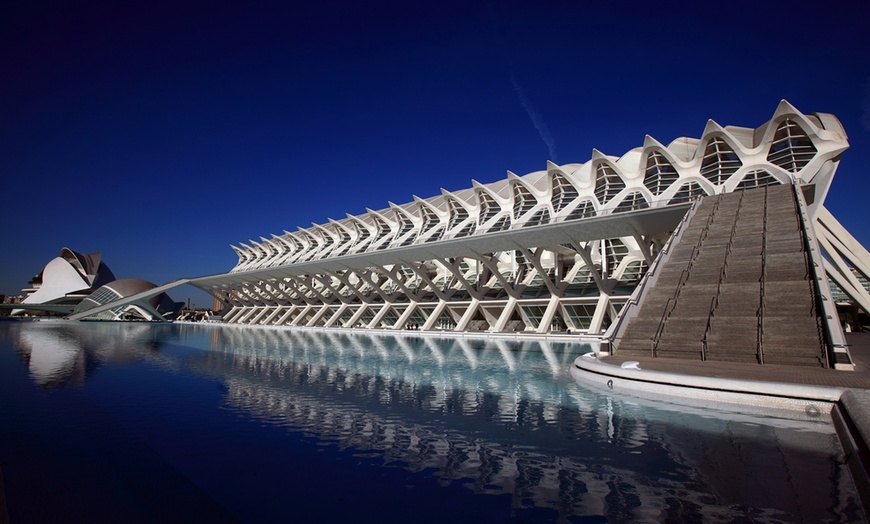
(549, 313)
(433, 318)
(598, 316)
(286, 315)
(462, 325)
(506, 314)
(403, 318)
(298, 320)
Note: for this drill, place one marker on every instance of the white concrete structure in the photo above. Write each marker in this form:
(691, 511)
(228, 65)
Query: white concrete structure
(554, 250)
(67, 279)
(152, 307)
(559, 250)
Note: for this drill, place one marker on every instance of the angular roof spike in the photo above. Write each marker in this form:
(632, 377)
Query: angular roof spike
(649, 141)
(598, 155)
(712, 127)
(784, 107)
(551, 166)
(511, 174)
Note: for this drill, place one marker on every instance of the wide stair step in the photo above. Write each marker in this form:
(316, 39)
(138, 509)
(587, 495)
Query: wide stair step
(694, 274)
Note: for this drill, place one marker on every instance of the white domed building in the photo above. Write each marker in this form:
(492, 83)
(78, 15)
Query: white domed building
(76, 283)
(66, 280)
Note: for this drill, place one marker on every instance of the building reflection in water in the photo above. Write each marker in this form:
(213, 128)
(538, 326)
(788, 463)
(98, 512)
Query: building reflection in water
(502, 416)
(59, 353)
(495, 416)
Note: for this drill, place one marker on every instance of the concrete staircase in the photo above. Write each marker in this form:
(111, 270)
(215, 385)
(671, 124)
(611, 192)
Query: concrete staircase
(737, 288)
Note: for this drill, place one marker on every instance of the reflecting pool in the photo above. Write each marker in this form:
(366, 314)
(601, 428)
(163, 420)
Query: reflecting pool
(135, 422)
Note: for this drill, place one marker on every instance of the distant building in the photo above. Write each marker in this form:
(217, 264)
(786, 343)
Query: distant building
(8, 300)
(65, 281)
(75, 283)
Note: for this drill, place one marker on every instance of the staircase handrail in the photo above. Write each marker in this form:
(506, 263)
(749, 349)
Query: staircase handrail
(714, 302)
(707, 329)
(833, 338)
(759, 350)
(684, 276)
(628, 311)
(654, 341)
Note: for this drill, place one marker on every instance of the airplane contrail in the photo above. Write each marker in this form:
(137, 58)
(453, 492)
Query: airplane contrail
(537, 120)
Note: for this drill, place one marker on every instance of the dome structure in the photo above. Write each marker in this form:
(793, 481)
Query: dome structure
(152, 307)
(68, 278)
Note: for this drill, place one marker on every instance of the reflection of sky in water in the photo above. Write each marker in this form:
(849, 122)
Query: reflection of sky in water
(488, 416)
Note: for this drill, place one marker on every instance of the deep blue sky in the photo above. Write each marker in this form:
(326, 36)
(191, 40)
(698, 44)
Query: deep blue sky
(161, 133)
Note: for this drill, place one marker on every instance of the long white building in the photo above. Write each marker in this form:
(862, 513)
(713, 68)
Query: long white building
(558, 250)
(555, 251)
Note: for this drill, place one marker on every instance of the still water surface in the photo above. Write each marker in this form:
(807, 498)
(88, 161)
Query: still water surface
(106, 422)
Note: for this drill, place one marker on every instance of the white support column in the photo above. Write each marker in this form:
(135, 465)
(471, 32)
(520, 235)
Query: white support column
(598, 316)
(356, 316)
(462, 325)
(492, 265)
(586, 254)
(231, 314)
(491, 319)
(506, 314)
(549, 314)
(301, 316)
(274, 314)
(644, 245)
(840, 273)
(535, 260)
(424, 277)
(436, 314)
(334, 318)
(285, 316)
(379, 315)
(454, 269)
(250, 311)
(403, 319)
(847, 245)
(320, 312)
(838, 245)
(260, 314)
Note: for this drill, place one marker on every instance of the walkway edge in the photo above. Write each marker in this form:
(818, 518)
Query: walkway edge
(705, 389)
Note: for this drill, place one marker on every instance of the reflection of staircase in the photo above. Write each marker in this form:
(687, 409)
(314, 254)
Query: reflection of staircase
(737, 288)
